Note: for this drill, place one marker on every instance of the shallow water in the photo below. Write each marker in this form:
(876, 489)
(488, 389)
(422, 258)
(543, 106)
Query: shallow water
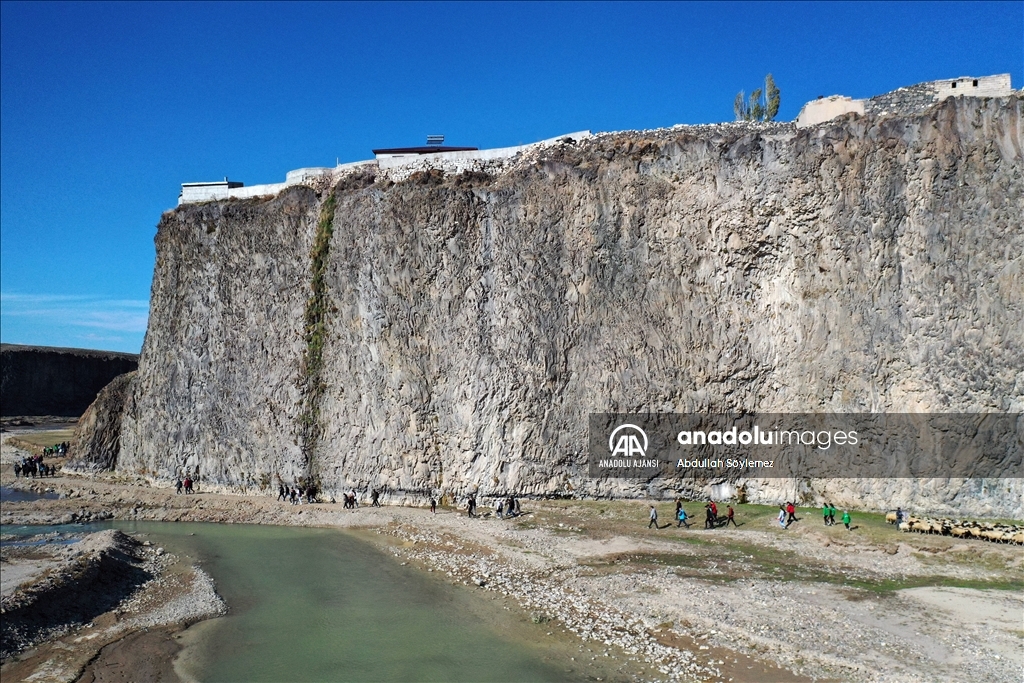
(322, 605)
(11, 495)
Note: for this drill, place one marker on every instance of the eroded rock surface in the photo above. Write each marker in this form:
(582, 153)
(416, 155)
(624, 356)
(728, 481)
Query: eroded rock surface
(97, 440)
(462, 327)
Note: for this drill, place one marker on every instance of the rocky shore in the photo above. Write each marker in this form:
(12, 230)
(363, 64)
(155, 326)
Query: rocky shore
(755, 603)
(82, 581)
(69, 596)
(79, 596)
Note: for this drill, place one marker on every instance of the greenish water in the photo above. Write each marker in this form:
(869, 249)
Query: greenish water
(323, 605)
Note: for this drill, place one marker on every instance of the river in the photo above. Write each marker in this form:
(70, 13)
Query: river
(310, 604)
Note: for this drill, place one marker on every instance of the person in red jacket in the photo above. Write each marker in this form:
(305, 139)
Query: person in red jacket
(729, 517)
(791, 512)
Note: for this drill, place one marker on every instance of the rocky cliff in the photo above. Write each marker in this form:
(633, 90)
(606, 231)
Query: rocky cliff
(443, 331)
(46, 380)
(97, 439)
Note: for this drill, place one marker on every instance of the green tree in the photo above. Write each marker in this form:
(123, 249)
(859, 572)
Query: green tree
(772, 98)
(739, 106)
(756, 106)
(763, 104)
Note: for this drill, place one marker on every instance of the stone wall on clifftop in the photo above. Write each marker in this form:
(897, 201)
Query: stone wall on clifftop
(463, 326)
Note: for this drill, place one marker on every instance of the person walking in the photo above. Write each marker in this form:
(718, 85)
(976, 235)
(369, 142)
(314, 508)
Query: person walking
(681, 516)
(499, 508)
(471, 506)
(782, 516)
(178, 486)
(433, 506)
(824, 513)
(831, 514)
(654, 518)
(729, 518)
(790, 513)
(846, 519)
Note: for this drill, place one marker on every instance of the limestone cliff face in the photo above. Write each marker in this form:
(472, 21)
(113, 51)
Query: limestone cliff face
(453, 331)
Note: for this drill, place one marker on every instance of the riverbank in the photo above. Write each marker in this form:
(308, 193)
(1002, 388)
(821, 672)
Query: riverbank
(70, 599)
(751, 603)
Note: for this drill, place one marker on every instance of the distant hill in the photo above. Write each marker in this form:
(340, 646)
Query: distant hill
(47, 380)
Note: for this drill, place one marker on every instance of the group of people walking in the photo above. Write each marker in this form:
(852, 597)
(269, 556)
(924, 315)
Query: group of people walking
(297, 494)
(828, 513)
(186, 485)
(504, 508)
(711, 518)
(58, 450)
(33, 466)
(507, 507)
(787, 515)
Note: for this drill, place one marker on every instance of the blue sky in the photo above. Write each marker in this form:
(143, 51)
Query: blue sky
(105, 109)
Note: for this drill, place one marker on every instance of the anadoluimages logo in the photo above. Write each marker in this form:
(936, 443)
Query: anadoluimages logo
(628, 443)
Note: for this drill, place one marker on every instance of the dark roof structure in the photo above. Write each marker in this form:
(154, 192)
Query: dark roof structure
(429, 149)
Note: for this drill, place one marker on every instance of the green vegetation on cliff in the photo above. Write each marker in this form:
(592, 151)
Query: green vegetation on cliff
(315, 326)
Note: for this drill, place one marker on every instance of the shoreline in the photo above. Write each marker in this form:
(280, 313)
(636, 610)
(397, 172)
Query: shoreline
(135, 590)
(687, 604)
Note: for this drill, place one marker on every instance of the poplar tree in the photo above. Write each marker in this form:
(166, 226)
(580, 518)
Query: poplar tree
(756, 108)
(772, 98)
(763, 105)
(739, 105)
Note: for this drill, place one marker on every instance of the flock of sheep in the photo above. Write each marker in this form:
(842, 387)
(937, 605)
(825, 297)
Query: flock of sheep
(998, 533)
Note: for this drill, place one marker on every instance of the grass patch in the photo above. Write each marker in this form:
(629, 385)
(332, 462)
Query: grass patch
(739, 561)
(726, 556)
(890, 585)
(50, 437)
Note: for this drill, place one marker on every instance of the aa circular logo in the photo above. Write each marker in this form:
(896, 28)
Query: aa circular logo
(628, 441)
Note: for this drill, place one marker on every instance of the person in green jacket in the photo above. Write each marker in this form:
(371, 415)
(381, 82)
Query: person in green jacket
(824, 513)
(846, 519)
(831, 514)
